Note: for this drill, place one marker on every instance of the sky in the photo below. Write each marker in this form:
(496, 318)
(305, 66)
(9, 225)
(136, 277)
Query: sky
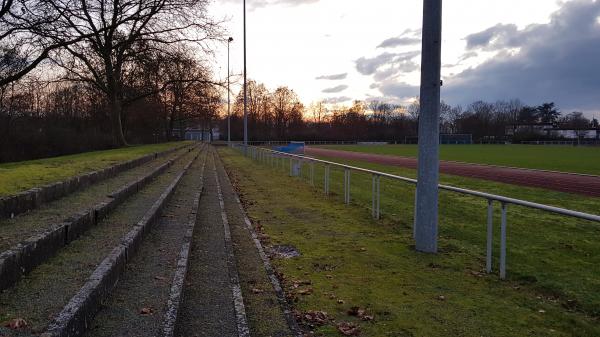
(341, 50)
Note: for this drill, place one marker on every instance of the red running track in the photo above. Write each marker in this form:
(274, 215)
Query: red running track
(563, 182)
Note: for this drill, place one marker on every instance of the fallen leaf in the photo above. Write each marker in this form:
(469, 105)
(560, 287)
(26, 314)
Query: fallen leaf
(442, 298)
(541, 311)
(306, 291)
(356, 311)
(367, 318)
(476, 273)
(340, 301)
(16, 324)
(360, 313)
(257, 291)
(348, 329)
(315, 317)
(147, 311)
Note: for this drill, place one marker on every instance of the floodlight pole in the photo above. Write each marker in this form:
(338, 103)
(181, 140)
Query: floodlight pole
(245, 87)
(426, 229)
(228, 96)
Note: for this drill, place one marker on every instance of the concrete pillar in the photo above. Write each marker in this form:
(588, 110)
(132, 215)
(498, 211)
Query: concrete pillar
(428, 173)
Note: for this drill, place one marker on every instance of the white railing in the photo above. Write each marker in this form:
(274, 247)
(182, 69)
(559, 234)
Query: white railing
(295, 164)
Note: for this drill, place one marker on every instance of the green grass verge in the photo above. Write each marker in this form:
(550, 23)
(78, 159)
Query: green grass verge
(21, 176)
(553, 262)
(555, 158)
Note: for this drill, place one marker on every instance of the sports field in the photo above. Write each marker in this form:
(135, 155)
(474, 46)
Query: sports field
(350, 260)
(555, 158)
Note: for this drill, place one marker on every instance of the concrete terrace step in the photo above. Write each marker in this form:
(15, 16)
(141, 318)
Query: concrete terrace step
(12, 205)
(148, 290)
(267, 310)
(51, 291)
(56, 224)
(179, 258)
(208, 306)
(226, 267)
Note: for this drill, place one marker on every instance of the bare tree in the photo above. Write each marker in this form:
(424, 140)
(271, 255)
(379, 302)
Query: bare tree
(29, 31)
(115, 32)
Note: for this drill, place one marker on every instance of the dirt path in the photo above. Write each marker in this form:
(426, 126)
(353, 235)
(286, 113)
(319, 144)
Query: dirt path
(563, 182)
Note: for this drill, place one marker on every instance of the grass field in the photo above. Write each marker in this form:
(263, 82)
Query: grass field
(553, 261)
(20, 176)
(555, 158)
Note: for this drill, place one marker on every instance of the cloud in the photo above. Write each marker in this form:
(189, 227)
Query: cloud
(468, 55)
(493, 38)
(255, 4)
(408, 38)
(337, 100)
(557, 61)
(334, 77)
(387, 64)
(399, 41)
(399, 90)
(336, 89)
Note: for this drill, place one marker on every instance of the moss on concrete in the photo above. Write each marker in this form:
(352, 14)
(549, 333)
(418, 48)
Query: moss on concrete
(43, 293)
(20, 176)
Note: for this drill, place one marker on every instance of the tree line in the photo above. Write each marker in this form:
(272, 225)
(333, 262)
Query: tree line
(279, 115)
(91, 74)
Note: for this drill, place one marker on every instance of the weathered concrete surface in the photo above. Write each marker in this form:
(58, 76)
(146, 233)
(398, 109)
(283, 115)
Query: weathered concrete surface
(268, 312)
(27, 200)
(146, 281)
(208, 306)
(43, 293)
(22, 258)
(76, 316)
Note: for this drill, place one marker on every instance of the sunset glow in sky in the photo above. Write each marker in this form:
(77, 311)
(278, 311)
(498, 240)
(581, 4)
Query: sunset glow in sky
(341, 50)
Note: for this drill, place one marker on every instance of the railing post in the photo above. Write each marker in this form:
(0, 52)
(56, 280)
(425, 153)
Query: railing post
(373, 196)
(378, 206)
(345, 183)
(291, 167)
(376, 196)
(327, 168)
(490, 235)
(346, 186)
(312, 173)
(503, 243)
(415, 217)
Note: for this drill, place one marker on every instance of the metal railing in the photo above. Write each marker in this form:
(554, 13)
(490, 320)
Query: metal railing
(272, 157)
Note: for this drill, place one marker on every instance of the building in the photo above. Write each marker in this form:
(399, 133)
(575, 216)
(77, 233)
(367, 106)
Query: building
(552, 131)
(199, 134)
(575, 134)
(541, 129)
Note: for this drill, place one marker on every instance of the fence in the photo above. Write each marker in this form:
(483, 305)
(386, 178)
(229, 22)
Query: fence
(563, 142)
(275, 158)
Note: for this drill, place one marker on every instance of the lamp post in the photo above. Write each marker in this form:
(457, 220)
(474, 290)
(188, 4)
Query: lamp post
(426, 217)
(245, 88)
(228, 96)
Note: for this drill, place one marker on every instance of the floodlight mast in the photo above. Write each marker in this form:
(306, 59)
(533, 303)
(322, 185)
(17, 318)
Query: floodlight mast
(245, 88)
(426, 217)
(228, 95)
